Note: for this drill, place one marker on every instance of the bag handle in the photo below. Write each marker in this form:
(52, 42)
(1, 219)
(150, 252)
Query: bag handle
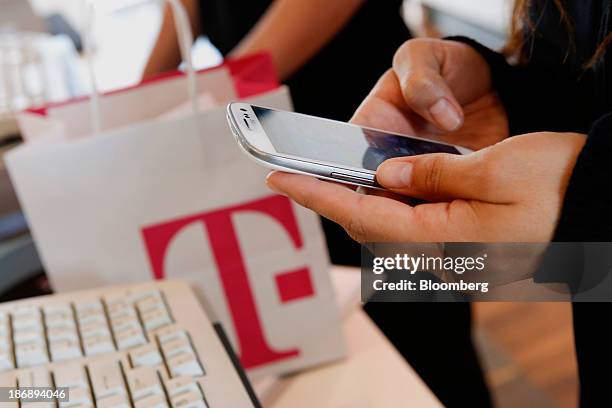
(185, 40)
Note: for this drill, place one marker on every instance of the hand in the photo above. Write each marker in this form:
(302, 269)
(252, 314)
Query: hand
(440, 90)
(509, 192)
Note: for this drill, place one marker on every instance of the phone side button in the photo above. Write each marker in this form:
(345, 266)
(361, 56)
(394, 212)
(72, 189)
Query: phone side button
(353, 179)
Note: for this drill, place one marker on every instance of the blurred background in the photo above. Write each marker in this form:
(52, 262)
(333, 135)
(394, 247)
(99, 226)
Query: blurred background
(527, 348)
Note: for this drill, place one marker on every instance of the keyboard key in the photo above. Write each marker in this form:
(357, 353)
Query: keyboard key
(176, 346)
(184, 392)
(191, 399)
(120, 308)
(151, 302)
(5, 329)
(185, 364)
(25, 312)
(79, 397)
(189, 404)
(147, 355)
(5, 341)
(31, 354)
(98, 345)
(155, 318)
(35, 377)
(56, 308)
(179, 354)
(88, 305)
(153, 401)
(73, 405)
(153, 310)
(180, 385)
(113, 401)
(28, 334)
(92, 318)
(38, 404)
(71, 376)
(130, 338)
(60, 320)
(27, 318)
(62, 333)
(6, 358)
(90, 314)
(65, 350)
(107, 380)
(144, 382)
(169, 334)
(125, 321)
(94, 329)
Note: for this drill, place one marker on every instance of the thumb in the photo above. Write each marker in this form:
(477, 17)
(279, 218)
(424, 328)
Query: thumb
(442, 176)
(417, 65)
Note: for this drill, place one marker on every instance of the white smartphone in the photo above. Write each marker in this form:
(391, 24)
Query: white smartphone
(323, 148)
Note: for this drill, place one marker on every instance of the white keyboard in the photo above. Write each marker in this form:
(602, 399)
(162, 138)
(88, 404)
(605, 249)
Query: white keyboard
(148, 345)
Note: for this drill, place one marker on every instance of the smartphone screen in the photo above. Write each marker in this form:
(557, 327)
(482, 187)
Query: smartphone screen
(337, 142)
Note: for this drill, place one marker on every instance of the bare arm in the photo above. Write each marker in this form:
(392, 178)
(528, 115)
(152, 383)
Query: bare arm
(293, 31)
(166, 55)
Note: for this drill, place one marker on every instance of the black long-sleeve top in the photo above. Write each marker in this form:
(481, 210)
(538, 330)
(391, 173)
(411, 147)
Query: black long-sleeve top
(555, 91)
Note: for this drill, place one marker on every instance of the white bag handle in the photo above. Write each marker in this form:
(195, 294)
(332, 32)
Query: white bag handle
(185, 40)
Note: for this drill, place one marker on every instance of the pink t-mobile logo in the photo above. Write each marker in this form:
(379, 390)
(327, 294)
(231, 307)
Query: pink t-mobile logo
(291, 285)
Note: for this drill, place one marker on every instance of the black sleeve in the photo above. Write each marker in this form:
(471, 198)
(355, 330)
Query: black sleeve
(530, 95)
(585, 223)
(587, 209)
(535, 98)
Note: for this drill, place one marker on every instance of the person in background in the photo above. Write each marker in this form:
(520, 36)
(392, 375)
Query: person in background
(548, 183)
(312, 42)
(330, 53)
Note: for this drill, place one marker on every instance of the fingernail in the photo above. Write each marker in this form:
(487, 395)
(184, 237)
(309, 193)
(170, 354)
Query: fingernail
(271, 185)
(445, 114)
(395, 175)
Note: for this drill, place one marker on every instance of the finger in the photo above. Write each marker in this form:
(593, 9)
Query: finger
(395, 196)
(441, 176)
(366, 218)
(384, 107)
(418, 65)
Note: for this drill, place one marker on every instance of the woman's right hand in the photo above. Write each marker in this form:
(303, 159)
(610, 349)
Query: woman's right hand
(437, 89)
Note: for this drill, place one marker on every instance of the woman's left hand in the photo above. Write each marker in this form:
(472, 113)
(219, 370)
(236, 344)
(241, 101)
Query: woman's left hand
(508, 192)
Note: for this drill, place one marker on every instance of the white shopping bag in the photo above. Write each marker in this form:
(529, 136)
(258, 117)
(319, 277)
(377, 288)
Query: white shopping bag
(172, 196)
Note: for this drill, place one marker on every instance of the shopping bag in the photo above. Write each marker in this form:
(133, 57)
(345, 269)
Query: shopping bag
(154, 197)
